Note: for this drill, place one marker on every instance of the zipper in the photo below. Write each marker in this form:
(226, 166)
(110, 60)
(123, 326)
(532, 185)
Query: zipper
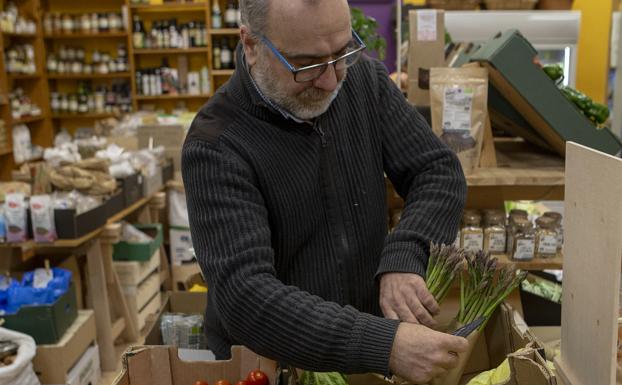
(343, 246)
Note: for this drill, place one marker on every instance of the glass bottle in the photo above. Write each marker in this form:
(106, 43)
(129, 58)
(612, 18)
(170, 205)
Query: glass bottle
(472, 234)
(231, 14)
(225, 55)
(138, 35)
(55, 104)
(73, 104)
(67, 23)
(85, 23)
(494, 233)
(216, 56)
(546, 237)
(48, 23)
(558, 227)
(216, 15)
(523, 240)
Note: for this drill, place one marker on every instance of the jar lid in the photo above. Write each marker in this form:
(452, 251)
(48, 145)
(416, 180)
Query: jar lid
(471, 218)
(518, 213)
(494, 217)
(546, 222)
(552, 214)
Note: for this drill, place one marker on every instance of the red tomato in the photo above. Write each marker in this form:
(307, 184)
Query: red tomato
(257, 377)
(223, 382)
(200, 382)
(242, 382)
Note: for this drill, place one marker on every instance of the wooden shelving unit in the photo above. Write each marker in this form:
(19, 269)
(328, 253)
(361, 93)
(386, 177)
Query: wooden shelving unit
(170, 7)
(222, 72)
(171, 51)
(90, 115)
(19, 35)
(28, 119)
(34, 76)
(224, 31)
(172, 97)
(112, 75)
(82, 35)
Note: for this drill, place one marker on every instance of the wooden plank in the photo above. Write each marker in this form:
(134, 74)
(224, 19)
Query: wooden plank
(170, 51)
(488, 157)
(593, 250)
(112, 75)
(535, 264)
(98, 293)
(118, 327)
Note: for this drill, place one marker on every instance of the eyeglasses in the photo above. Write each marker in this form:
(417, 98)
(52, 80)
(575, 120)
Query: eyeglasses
(312, 72)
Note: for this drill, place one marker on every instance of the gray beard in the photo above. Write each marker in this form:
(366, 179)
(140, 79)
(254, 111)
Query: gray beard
(307, 105)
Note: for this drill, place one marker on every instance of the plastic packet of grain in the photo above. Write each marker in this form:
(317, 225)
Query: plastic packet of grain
(459, 106)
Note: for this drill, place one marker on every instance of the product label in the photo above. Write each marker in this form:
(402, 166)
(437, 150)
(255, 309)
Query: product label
(547, 244)
(457, 106)
(496, 242)
(473, 242)
(426, 25)
(225, 57)
(560, 238)
(524, 249)
(231, 16)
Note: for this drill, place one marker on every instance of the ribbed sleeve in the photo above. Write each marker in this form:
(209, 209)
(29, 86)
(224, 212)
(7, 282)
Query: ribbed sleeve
(425, 173)
(232, 237)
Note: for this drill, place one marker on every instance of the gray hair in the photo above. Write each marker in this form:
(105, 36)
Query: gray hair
(254, 14)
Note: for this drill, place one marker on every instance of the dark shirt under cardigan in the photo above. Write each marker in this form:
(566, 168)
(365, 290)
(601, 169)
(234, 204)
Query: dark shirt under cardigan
(289, 219)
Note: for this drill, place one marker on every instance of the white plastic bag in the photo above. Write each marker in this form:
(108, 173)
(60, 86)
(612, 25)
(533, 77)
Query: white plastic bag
(20, 372)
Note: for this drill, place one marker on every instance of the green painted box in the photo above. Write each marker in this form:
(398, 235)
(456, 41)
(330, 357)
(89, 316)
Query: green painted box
(127, 251)
(45, 323)
(510, 59)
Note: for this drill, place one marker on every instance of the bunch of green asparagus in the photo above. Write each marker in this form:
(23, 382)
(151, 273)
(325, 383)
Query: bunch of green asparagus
(444, 263)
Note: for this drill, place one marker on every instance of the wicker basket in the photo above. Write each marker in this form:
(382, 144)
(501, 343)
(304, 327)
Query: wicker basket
(454, 4)
(510, 4)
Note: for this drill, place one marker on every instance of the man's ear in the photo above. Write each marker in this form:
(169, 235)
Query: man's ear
(250, 44)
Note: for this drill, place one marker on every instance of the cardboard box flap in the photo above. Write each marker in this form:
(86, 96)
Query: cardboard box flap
(528, 367)
(161, 365)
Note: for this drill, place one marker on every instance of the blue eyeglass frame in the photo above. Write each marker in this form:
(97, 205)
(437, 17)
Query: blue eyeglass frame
(295, 70)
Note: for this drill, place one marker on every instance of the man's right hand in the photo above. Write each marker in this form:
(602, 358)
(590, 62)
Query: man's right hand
(419, 354)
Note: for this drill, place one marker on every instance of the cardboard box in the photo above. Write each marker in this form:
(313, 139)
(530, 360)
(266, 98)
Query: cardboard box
(167, 135)
(152, 184)
(175, 302)
(46, 324)
(127, 251)
(52, 363)
(161, 365)
(132, 273)
(181, 274)
(181, 245)
(129, 143)
(70, 225)
(132, 188)
(510, 61)
(87, 370)
(426, 50)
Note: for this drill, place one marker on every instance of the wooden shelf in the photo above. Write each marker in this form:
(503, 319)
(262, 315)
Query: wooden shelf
(224, 31)
(22, 35)
(28, 119)
(222, 72)
(93, 115)
(170, 7)
(112, 75)
(170, 51)
(535, 264)
(11, 76)
(173, 97)
(83, 35)
(5, 151)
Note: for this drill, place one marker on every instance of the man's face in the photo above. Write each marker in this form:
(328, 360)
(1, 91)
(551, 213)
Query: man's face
(305, 35)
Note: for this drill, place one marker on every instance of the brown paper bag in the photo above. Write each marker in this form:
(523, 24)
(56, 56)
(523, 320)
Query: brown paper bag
(459, 103)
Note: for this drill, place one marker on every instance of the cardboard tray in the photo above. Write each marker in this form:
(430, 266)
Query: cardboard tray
(132, 187)
(126, 251)
(45, 323)
(175, 302)
(52, 363)
(161, 365)
(70, 225)
(510, 61)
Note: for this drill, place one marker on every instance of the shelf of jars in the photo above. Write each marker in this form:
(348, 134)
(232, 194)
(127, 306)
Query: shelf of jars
(83, 25)
(112, 75)
(86, 35)
(170, 51)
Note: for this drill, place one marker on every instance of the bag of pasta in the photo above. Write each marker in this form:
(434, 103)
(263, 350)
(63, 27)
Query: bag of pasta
(459, 103)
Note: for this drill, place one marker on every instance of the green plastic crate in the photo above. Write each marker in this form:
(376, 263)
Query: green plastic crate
(125, 251)
(510, 58)
(45, 323)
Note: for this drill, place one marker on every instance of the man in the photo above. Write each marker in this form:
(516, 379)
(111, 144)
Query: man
(284, 174)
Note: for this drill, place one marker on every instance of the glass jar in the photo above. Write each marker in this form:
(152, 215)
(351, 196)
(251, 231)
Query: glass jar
(52, 63)
(472, 234)
(514, 214)
(546, 238)
(523, 240)
(67, 23)
(64, 103)
(73, 104)
(55, 103)
(558, 227)
(85, 23)
(48, 23)
(114, 21)
(103, 22)
(494, 233)
(94, 23)
(58, 23)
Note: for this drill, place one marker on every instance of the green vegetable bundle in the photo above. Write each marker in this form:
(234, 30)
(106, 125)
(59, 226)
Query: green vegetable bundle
(479, 293)
(444, 263)
(322, 378)
(596, 112)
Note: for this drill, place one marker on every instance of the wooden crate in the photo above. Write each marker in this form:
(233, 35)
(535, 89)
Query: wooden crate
(152, 308)
(132, 273)
(592, 264)
(141, 298)
(510, 4)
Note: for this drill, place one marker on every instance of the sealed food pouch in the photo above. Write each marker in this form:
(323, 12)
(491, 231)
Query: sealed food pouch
(42, 215)
(459, 106)
(15, 217)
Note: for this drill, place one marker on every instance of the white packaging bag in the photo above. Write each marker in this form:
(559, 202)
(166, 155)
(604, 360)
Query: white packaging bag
(20, 372)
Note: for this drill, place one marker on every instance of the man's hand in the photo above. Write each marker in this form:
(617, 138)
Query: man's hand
(419, 354)
(405, 296)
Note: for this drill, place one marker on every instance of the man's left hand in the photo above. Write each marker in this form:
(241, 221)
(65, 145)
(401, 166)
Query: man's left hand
(405, 296)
